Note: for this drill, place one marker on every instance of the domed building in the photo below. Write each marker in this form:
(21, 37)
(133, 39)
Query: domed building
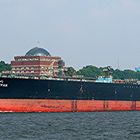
(36, 62)
(37, 52)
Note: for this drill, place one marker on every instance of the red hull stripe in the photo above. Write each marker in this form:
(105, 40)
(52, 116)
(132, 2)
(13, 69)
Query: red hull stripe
(46, 105)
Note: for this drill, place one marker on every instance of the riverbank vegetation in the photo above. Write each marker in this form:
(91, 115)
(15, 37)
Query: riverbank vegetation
(93, 71)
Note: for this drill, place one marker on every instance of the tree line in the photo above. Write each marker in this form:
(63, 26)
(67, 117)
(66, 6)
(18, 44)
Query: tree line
(94, 72)
(89, 71)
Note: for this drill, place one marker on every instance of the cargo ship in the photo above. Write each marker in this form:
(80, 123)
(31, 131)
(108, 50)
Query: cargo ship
(36, 84)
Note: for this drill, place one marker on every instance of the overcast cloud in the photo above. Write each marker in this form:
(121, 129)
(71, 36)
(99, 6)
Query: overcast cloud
(82, 32)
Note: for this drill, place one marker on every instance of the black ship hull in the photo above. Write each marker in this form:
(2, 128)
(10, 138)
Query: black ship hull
(66, 89)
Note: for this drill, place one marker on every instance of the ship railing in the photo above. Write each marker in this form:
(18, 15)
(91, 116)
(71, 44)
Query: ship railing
(64, 78)
(68, 78)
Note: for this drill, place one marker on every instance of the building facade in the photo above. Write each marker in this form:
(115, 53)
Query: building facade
(37, 62)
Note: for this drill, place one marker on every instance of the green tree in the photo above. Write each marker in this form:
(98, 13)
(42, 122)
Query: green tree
(4, 66)
(70, 71)
(90, 71)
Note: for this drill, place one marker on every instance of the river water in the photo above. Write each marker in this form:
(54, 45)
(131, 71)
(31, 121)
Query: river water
(70, 126)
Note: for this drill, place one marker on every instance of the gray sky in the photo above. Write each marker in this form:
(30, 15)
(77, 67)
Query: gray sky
(82, 32)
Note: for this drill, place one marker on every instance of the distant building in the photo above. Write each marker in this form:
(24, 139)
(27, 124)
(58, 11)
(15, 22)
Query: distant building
(37, 62)
(137, 69)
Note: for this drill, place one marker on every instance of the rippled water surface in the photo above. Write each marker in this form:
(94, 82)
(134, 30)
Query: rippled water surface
(70, 126)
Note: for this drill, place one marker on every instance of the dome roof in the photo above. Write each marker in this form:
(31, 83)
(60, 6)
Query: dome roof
(37, 52)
